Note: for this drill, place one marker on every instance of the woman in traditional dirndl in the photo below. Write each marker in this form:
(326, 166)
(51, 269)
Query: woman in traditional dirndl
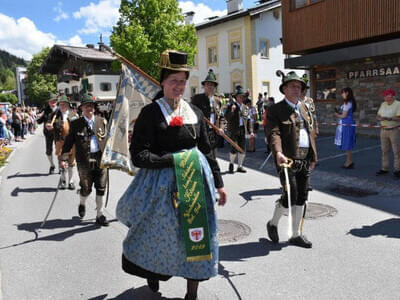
(345, 137)
(154, 247)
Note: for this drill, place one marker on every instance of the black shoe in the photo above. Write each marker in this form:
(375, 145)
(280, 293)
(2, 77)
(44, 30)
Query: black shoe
(241, 170)
(102, 221)
(81, 210)
(71, 186)
(153, 284)
(350, 166)
(51, 170)
(396, 174)
(300, 241)
(231, 168)
(381, 172)
(63, 185)
(272, 233)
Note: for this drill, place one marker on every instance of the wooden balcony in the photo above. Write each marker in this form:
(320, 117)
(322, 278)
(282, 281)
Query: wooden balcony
(330, 24)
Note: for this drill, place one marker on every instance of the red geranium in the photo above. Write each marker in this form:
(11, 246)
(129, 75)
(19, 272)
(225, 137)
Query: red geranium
(176, 122)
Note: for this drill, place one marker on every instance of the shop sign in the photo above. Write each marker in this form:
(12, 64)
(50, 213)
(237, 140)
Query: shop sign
(384, 71)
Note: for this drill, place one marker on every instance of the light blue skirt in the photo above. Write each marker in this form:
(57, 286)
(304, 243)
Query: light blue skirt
(155, 240)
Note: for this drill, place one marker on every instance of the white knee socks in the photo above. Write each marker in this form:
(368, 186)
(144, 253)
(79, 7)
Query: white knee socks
(50, 158)
(99, 205)
(232, 157)
(241, 159)
(70, 174)
(297, 212)
(278, 213)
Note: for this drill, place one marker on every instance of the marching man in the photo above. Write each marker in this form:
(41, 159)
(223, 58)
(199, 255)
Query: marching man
(210, 106)
(291, 135)
(60, 127)
(88, 134)
(237, 114)
(44, 117)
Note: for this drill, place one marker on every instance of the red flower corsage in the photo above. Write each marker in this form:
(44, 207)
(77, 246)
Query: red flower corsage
(176, 122)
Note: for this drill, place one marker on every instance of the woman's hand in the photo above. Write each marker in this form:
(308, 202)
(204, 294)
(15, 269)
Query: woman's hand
(222, 196)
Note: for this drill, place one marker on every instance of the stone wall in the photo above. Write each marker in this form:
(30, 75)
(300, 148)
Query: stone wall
(367, 92)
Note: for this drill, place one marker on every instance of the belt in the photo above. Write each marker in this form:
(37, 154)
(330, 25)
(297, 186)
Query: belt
(95, 154)
(302, 153)
(390, 128)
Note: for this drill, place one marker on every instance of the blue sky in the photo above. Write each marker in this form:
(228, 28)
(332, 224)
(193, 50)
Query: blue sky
(26, 26)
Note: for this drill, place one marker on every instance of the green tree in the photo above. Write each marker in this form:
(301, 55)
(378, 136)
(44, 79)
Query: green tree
(148, 27)
(8, 98)
(38, 86)
(7, 80)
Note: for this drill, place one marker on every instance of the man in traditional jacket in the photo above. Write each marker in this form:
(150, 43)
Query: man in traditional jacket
(237, 114)
(60, 127)
(88, 134)
(44, 118)
(210, 106)
(291, 135)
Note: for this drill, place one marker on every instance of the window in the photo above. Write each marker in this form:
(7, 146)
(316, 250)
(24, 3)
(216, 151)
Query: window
(235, 50)
(325, 84)
(66, 91)
(212, 50)
(105, 86)
(90, 87)
(265, 88)
(212, 56)
(75, 89)
(264, 48)
(301, 3)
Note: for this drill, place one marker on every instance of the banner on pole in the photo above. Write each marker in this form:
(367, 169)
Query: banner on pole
(136, 89)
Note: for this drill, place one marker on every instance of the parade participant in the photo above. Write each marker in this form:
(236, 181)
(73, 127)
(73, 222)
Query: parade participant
(60, 127)
(237, 115)
(44, 118)
(210, 106)
(291, 135)
(160, 242)
(389, 115)
(88, 134)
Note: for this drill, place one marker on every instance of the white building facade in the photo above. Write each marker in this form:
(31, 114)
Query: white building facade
(242, 48)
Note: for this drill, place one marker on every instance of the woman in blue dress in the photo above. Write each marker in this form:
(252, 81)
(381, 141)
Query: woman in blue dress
(154, 247)
(345, 138)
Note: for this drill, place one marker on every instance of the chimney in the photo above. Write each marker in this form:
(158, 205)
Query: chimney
(189, 17)
(234, 6)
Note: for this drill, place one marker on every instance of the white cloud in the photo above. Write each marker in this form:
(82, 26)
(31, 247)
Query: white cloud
(101, 16)
(73, 41)
(21, 37)
(202, 11)
(61, 15)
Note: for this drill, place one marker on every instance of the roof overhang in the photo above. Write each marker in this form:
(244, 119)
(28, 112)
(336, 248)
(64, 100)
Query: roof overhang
(331, 57)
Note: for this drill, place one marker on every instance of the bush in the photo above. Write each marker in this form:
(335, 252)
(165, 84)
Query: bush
(8, 98)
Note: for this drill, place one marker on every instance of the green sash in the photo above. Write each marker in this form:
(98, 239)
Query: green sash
(192, 206)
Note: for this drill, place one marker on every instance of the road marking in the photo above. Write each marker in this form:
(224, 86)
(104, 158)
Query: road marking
(344, 154)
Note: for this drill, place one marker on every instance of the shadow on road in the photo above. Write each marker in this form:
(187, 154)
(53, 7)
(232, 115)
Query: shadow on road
(389, 228)
(84, 226)
(141, 293)
(17, 190)
(227, 274)
(256, 194)
(239, 252)
(16, 175)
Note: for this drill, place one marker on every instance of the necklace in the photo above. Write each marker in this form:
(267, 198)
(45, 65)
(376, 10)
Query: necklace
(194, 135)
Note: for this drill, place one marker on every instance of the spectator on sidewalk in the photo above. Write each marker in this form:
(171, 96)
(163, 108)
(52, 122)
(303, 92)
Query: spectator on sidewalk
(345, 137)
(389, 115)
(16, 123)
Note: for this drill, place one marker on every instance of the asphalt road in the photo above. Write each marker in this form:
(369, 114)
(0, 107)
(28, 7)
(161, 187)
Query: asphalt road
(355, 254)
